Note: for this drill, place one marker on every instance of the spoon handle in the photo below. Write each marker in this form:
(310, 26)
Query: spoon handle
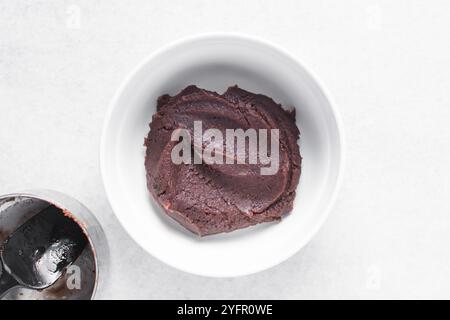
(6, 281)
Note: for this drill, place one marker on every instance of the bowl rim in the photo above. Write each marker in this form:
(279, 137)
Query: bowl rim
(239, 37)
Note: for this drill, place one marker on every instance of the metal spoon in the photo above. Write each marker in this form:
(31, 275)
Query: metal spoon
(38, 252)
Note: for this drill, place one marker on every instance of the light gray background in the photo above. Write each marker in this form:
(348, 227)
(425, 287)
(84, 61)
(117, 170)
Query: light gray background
(386, 63)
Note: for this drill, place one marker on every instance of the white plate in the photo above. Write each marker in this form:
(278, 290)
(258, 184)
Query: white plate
(215, 62)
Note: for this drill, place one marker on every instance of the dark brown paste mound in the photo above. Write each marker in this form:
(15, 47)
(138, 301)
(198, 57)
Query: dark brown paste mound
(214, 198)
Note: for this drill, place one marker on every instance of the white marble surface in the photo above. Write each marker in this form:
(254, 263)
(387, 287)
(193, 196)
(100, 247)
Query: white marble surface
(386, 63)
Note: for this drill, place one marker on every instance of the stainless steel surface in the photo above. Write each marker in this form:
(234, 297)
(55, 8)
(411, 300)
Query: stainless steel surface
(85, 279)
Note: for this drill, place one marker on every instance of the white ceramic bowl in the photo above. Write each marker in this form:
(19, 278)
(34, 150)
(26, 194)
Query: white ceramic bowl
(214, 62)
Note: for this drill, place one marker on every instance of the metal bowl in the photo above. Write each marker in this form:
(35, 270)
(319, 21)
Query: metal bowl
(85, 278)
